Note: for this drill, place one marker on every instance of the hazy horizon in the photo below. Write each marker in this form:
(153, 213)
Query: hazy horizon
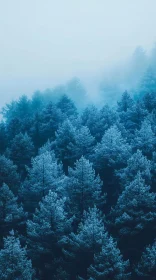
(45, 43)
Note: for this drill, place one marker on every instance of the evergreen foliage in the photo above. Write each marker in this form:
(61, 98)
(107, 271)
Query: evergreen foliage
(14, 263)
(146, 268)
(109, 264)
(84, 187)
(79, 186)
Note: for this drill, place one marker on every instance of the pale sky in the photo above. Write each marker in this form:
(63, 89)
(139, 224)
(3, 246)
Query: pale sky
(46, 42)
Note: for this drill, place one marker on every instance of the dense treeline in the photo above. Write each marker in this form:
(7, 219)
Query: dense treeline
(78, 189)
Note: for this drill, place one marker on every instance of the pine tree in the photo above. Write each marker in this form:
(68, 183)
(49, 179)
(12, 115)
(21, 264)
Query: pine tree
(65, 139)
(125, 103)
(146, 268)
(18, 116)
(49, 223)
(9, 111)
(112, 153)
(135, 116)
(149, 101)
(136, 163)
(50, 119)
(14, 264)
(79, 248)
(13, 128)
(92, 119)
(148, 82)
(145, 139)
(45, 174)
(45, 230)
(67, 106)
(21, 150)
(91, 233)
(113, 150)
(23, 107)
(84, 143)
(109, 264)
(108, 117)
(133, 218)
(11, 213)
(8, 173)
(84, 187)
(19, 110)
(135, 208)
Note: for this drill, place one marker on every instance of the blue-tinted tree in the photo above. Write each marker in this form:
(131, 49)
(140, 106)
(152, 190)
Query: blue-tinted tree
(67, 107)
(8, 173)
(125, 103)
(65, 139)
(148, 82)
(84, 143)
(109, 264)
(92, 119)
(144, 139)
(149, 101)
(21, 150)
(11, 213)
(112, 153)
(45, 174)
(146, 268)
(134, 216)
(14, 263)
(136, 163)
(135, 116)
(79, 248)
(84, 187)
(50, 119)
(107, 118)
(49, 223)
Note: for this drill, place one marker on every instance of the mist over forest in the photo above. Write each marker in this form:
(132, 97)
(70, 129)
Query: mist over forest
(135, 75)
(78, 140)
